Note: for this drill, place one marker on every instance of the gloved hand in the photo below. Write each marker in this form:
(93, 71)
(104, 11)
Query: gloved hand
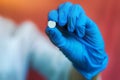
(79, 38)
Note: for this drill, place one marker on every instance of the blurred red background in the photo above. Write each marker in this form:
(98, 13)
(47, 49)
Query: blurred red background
(106, 13)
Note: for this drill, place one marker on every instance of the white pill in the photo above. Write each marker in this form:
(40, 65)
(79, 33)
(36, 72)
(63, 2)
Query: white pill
(51, 24)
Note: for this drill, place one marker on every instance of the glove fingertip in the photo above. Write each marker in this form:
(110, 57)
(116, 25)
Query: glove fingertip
(53, 15)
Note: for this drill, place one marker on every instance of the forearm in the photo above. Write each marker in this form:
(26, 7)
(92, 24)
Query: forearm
(75, 75)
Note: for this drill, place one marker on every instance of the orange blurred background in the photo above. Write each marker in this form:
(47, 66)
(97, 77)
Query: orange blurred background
(106, 13)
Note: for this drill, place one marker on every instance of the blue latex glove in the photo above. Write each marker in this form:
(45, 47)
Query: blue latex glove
(79, 38)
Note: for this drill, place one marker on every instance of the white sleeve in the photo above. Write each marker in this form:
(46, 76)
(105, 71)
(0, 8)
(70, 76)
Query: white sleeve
(45, 58)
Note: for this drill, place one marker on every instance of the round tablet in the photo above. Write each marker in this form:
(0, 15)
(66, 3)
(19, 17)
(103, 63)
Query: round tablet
(51, 24)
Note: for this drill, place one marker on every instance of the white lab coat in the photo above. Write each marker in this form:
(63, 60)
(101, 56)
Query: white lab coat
(24, 46)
